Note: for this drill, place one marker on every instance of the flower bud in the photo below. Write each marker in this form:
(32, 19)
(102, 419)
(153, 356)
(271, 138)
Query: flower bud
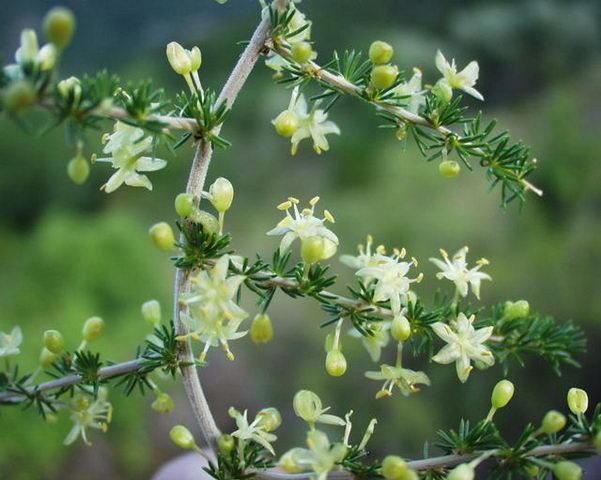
(54, 341)
(394, 468)
(312, 249)
(519, 309)
(261, 330)
(286, 123)
(70, 86)
(184, 204)
(270, 419)
(221, 194)
(383, 76)
(226, 443)
(182, 437)
(380, 52)
(577, 401)
(163, 403)
(29, 49)
(565, 470)
(553, 422)
(400, 328)
(47, 57)
(288, 462)
(47, 358)
(443, 91)
(209, 222)
(92, 328)
(151, 311)
(18, 95)
(302, 52)
(462, 472)
(449, 168)
(179, 59)
(195, 58)
(307, 405)
(335, 363)
(502, 393)
(162, 236)
(78, 169)
(59, 25)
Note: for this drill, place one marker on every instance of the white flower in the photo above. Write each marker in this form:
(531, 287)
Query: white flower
(10, 342)
(374, 343)
(405, 379)
(126, 145)
(465, 343)
(254, 431)
(307, 405)
(88, 414)
(304, 224)
(456, 270)
(412, 91)
(390, 275)
(365, 258)
(463, 80)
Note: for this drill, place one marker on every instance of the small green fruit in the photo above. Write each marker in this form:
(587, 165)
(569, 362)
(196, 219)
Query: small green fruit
(54, 341)
(184, 204)
(78, 169)
(449, 168)
(383, 76)
(380, 52)
(261, 330)
(502, 394)
(162, 236)
(302, 52)
(335, 363)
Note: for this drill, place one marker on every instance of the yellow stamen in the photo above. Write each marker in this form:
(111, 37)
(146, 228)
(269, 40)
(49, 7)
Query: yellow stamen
(294, 200)
(284, 205)
(329, 217)
(444, 253)
(314, 201)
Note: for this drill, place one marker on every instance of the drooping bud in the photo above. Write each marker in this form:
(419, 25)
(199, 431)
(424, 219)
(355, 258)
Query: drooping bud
(400, 328)
(383, 76)
(449, 168)
(519, 309)
(54, 341)
(195, 58)
(462, 472)
(394, 468)
(78, 169)
(443, 91)
(270, 419)
(380, 52)
(577, 401)
(336, 363)
(18, 95)
(565, 470)
(302, 52)
(163, 403)
(59, 26)
(261, 330)
(47, 358)
(184, 204)
(151, 311)
(178, 58)
(162, 236)
(502, 394)
(553, 422)
(182, 437)
(226, 443)
(286, 123)
(221, 194)
(92, 328)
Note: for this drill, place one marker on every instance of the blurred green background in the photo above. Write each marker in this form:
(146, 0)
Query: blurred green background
(71, 252)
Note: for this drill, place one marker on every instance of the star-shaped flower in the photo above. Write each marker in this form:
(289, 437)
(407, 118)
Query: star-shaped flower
(405, 379)
(465, 344)
(366, 257)
(456, 270)
(304, 224)
(10, 342)
(89, 414)
(126, 145)
(463, 80)
(374, 343)
(411, 91)
(307, 405)
(251, 431)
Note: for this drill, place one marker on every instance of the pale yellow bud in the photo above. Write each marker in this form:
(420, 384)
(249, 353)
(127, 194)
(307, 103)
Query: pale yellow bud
(400, 328)
(394, 468)
(270, 419)
(553, 422)
(182, 437)
(29, 49)
(221, 194)
(163, 403)
(261, 330)
(502, 394)
(383, 76)
(47, 57)
(335, 363)
(178, 58)
(380, 52)
(195, 58)
(162, 236)
(70, 86)
(577, 401)
(565, 470)
(449, 168)
(54, 341)
(93, 328)
(151, 311)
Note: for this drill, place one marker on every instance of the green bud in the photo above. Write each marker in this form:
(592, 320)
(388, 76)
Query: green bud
(92, 328)
(383, 76)
(597, 442)
(78, 169)
(54, 341)
(47, 358)
(270, 419)
(162, 236)
(502, 393)
(519, 309)
(394, 468)
(400, 328)
(577, 401)
(151, 311)
(302, 52)
(59, 26)
(380, 52)
(462, 472)
(18, 95)
(182, 437)
(261, 330)
(335, 363)
(184, 204)
(178, 58)
(449, 168)
(312, 249)
(553, 422)
(286, 123)
(226, 443)
(443, 91)
(209, 222)
(163, 403)
(567, 471)
(221, 194)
